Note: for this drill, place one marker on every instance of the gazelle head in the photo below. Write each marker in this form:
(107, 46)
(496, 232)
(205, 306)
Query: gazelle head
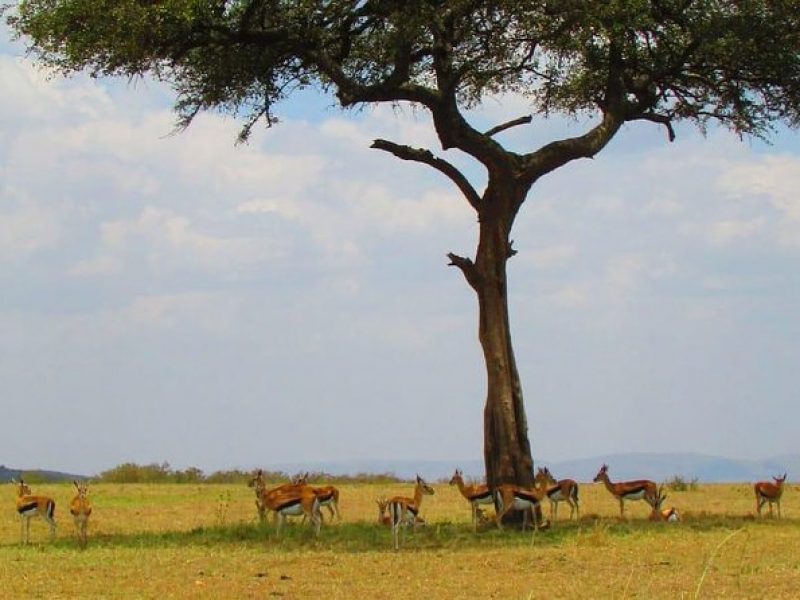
(382, 503)
(602, 474)
(544, 477)
(426, 489)
(779, 480)
(457, 476)
(83, 488)
(257, 480)
(22, 488)
(300, 478)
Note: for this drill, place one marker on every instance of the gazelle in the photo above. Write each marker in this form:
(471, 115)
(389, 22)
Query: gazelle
(640, 489)
(475, 494)
(81, 508)
(293, 503)
(259, 485)
(383, 518)
(564, 490)
(404, 511)
(329, 496)
(766, 491)
(29, 506)
(512, 497)
(669, 515)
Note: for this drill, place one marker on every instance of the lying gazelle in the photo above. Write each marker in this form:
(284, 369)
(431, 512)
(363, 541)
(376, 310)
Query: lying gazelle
(640, 489)
(475, 494)
(29, 506)
(564, 490)
(81, 508)
(404, 511)
(513, 497)
(669, 515)
(766, 491)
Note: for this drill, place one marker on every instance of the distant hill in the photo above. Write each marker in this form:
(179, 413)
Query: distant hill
(659, 467)
(7, 474)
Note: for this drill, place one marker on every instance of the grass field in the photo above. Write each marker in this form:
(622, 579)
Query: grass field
(203, 541)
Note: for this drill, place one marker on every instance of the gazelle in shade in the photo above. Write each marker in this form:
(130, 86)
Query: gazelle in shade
(476, 495)
(766, 491)
(670, 515)
(640, 489)
(80, 508)
(29, 506)
(512, 497)
(564, 490)
(404, 511)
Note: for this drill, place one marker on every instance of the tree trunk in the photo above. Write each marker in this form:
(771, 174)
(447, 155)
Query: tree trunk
(507, 451)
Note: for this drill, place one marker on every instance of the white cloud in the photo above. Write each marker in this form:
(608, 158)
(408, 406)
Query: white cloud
(25, 229)
(552, 257)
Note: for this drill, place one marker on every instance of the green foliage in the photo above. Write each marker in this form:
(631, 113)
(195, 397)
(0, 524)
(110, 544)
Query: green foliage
(678, 483)
(163, 473)
(663, 60)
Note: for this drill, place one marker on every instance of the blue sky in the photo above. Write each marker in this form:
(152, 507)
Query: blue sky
(181, 298)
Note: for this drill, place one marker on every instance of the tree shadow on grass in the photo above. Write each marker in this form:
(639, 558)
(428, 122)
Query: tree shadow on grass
(370, 537)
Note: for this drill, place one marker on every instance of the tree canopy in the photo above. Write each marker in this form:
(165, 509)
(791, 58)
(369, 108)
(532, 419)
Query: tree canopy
(735, 61)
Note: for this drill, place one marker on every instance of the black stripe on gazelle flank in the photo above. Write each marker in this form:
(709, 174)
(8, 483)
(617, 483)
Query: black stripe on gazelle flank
(289, 504)
(23, 508)
(484, 496)
(634, 491)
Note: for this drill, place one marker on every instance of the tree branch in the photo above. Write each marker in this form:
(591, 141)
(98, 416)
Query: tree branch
(467, 268)
(497, 129)
(441, 165)
(659, 119)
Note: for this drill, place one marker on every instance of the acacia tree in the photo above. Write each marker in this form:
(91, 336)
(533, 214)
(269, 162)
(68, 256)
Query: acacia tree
(732, 62)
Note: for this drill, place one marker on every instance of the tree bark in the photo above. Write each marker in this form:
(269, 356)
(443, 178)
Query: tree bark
(507, 451)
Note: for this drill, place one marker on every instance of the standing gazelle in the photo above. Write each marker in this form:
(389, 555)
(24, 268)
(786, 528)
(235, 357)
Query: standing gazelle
(512, 497)
(640, 489)
(564, 490)
(766, 491)
(404, 511)
(29, 506)
(81, 508)
(476, 495)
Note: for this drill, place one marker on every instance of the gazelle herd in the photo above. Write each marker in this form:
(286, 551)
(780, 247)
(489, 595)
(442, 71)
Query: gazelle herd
(299, 498)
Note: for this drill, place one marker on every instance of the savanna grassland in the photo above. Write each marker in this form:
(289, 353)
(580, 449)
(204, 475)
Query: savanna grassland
(204, 541)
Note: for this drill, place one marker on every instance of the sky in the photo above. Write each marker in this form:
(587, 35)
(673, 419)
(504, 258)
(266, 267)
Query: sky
(180, 298)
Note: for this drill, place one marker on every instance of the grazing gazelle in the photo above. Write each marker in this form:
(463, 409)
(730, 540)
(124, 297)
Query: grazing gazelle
(766, 491)
(475, 494)
(29, 506)
(564, 490)
(640, 489)
(512, 497)
(670, 515)
(80, 508)
(404, 511)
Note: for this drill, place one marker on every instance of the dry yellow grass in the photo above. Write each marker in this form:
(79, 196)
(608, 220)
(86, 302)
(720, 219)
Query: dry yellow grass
(181, 541)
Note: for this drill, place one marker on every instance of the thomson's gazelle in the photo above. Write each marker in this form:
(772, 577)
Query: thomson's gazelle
(29, 506)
